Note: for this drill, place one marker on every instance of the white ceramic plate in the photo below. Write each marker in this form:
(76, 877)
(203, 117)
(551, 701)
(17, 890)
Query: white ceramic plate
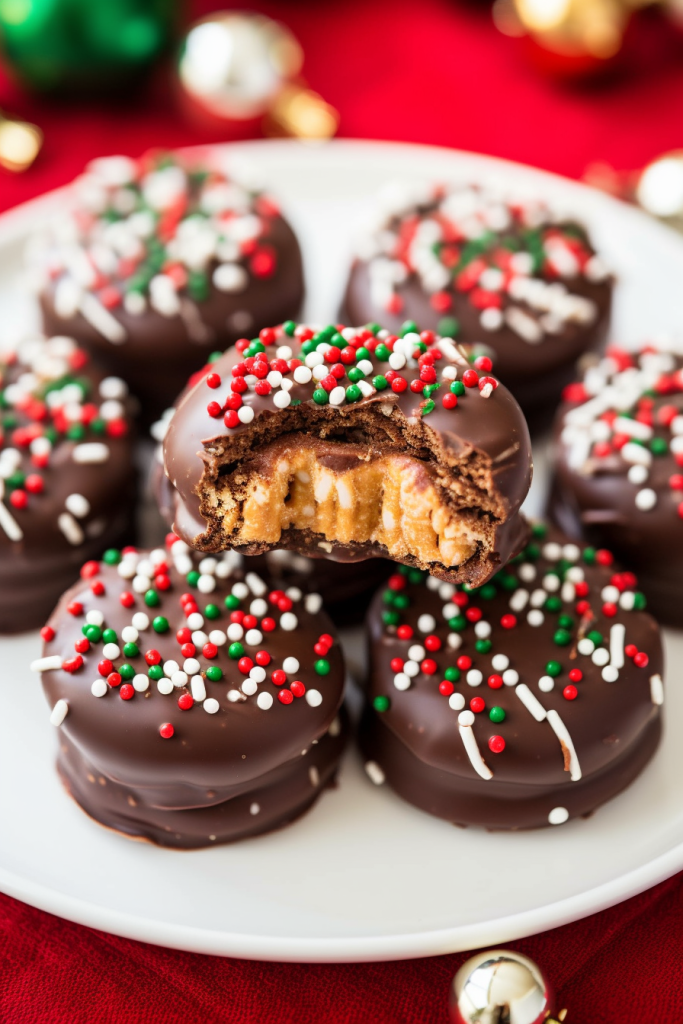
(363, 876)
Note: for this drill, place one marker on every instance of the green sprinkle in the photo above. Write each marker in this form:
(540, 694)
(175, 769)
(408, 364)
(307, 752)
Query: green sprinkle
(380, 382)
(507, 581)
(639, 601)
(362, 353)
(382, 352)
(487, 591)
(126, 671)
(595, 637)
(354, 374)
(539, 530)
(390, 618)
(483, 646)
(532, 552)
(457, 387)
(322, 667)
(373, 328)
(553, 668)
(109, 636)
(562, 637)
(214, 357)
(497, 715)
(236, 651)
(198, 285)
(76, 432)
(565, 622)
(212, 611)
(353, 393)
(155, 672)
(231, 602)
(658, 446)
(416, 576)
(428, 407)
(111, 556)
(192, 577)
(320, 396)
(553, 603)
(160, 624)
(152, 599)
(589, 555)
(457, 623)
(308, 347)
(131, 650)
(402, 601)
(15, 480)
(452, 674)
(214, 673)
(92, 633)
(289, 327)
(381, 704)
(448, 327)
(409, 327)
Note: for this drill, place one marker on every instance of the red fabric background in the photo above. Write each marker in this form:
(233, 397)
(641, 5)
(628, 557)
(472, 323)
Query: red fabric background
(436, 72)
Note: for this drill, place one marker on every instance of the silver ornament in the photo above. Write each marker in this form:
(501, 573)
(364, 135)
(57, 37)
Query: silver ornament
(500, 987)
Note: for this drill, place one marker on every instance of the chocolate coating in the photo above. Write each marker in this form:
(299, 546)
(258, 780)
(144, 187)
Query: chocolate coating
(596, 491)
(58, 511)
(491, 429)
(198, 226)
(418, 734)
(254, 747)
(401, 277)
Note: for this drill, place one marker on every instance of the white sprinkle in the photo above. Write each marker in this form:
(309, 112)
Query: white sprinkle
(249, 687)
(129, 634)
(519, 600)
(234, 696)
(240, 590)
(281, 399)
(500, 662)
(465, 722)
(636, 454)
(218, 637)
(140, 620)
(402, 681)
(552, 551)
(245, 414)
(178, 679)
(482, 629)
(90, 453)
(535, 617)
(265, 700)
(313, 603)
(99, 688)
(94, 617)
(397, 360)
(600, 656)
(411, 668)
(562, 733)
(637, 475)
(456, 701)
(48, 664)
(474, 677)
(234, 632)
(558, 816)
(454, 641)
(546, 684)
(211, 705)
(101, 319)
(70, 528)
(288, 621)
(140, 682)
(617, 634)
(374, 772)
(254, 808)
(290, 665)
(610, 674)
(646, 499)
(527, 572)
(656, 689)
(195, 620)
(258, 607)
(511, 677)
(530, 702)
(585, 646)
(198, 688)
(416, 652)
(337, 395)
(551, 583)
(253, 637)
(170, 667)
(59, 712)
(230, 277)
(255, 584)
(314, 698)
(111, 651)
(257, 673)
(191, 666)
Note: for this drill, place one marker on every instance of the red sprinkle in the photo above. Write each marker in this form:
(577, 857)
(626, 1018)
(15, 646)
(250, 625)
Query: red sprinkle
(127, 692)
(446, 688)
(576, 675)
(114, 679)
(570, 692)
(464, 662)
(495, 681)
(297, 688)
(166, 731)
(429, 666)
(47, 633)
(396, 664)
(213, 380)
(641, 659)
(278, 677)
(285, 696)
(477, 704)
(104, 667)
(449, 400)
(432, 643)
(508, 621)
(88, 569)
(185, 701)
(404, 632)
(496, 744)
(470, 378)
(262, 658)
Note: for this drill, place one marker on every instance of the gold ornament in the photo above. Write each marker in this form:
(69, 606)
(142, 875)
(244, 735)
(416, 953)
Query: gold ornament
(20, 143)
(501, 987)
(242, 67)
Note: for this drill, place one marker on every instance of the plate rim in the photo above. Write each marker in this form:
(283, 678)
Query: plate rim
(363, 948)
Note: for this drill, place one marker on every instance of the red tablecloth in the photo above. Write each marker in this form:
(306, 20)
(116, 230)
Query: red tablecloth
(438, 73)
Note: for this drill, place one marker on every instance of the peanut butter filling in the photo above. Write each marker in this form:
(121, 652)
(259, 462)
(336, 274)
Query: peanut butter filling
(353, 496)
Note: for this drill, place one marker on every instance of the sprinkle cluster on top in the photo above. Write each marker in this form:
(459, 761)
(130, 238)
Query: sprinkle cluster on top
(153, 233)
(45, 401)
(628, 412)
(555, 598)
(511, 258)
(343, 365)
(128, 663)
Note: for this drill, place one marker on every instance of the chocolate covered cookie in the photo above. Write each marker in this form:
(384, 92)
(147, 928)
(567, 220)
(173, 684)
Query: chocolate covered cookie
(155, 263)
(351, 443)
(525, 702)
(197, 702)
(619, 467)
(490, 269)
(67, 483)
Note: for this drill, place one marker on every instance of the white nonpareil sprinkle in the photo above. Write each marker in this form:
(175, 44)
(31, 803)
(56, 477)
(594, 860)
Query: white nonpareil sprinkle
(546, 684)
(314, 698)
(53, 661)
(111, 651)
(249, 687)
(374, 773)
(474, 677)
(426, 623)
(198, 688)
(600, 656)
(402, 681)
(140, 620)
(246, 413)
(290, 665)
(59, 712)
(90, 453)
(165, 686)
(257, 673)
(511, 677)
(140, 683)
(411, 668)
(456, 701)
(585, 646)
(499, 662)
(610, 674)
(211, 706)
(94, 617)
(265, 700)
(558, 816)
(637, 475)
(281, 399)
(99, 688)
(191, 666)
(288, 621)
(646, 499)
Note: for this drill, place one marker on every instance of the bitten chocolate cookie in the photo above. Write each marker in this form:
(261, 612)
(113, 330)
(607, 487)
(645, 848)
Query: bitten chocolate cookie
(154, 263)
(526, 702)
(489, 269)
(67, 483)
(351, 443)
(197, 703)
(619, 467)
